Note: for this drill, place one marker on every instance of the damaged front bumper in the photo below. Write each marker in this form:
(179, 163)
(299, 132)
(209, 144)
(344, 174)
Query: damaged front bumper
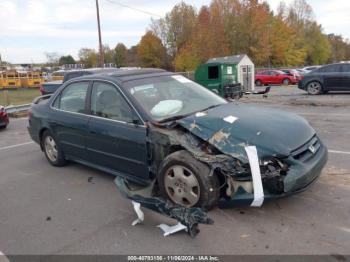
(300, 176)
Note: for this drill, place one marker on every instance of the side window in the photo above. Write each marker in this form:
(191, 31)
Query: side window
(345, 68)
(73, 97)
(107, 102)
(330, 69)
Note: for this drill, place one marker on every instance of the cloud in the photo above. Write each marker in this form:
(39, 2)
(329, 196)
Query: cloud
(29, 28)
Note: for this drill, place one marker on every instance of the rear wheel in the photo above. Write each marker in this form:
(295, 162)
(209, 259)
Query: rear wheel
(52, 151)
(286, 82)
(187, 181)
(314, 88)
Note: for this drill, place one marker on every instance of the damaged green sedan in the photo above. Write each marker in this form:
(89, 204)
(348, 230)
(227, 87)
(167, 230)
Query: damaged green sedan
(154, 127)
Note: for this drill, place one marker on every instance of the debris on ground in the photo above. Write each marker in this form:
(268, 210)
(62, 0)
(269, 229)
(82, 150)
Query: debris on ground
(189, 218)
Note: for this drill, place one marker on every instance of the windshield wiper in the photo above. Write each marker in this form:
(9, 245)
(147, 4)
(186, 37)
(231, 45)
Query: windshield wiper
(173, 118)
(210, 107)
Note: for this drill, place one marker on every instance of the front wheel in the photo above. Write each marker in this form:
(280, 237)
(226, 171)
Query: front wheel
(258, 82)
(52, 151)
(314, 88)
(188, 182)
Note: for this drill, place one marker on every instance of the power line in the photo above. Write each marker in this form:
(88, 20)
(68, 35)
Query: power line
(133, 8)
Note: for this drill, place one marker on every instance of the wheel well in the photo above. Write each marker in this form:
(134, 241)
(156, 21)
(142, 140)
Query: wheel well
(175, 148)
(41, 135)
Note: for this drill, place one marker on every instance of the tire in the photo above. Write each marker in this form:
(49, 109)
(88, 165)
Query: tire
(286, 82)
(258, 83)
(187, 182)
(52, 151)
(314, 88)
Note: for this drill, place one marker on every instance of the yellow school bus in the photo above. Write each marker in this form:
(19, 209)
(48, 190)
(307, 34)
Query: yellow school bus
(2, 81)
(57, 75)
(31, 79)
(12, 80)
(35, 79)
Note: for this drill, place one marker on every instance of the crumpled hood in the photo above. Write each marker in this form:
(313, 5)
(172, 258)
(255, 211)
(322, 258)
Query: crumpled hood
(273, 132)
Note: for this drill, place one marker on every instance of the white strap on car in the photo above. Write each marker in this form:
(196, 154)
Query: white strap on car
(252, 154)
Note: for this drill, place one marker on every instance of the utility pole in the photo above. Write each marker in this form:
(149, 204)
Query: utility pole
(101, 56)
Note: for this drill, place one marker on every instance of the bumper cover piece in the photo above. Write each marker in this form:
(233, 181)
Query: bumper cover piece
(189, 217)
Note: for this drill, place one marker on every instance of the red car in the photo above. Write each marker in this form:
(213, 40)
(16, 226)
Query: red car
(269, 77)
(4, 119)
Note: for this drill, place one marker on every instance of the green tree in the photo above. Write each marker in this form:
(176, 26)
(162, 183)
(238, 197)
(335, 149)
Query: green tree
(64, 60)
(121, 55)
(150, 51)
(88, 57)
(109, 54)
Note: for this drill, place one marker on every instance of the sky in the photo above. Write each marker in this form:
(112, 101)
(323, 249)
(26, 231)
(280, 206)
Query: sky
(31, 28)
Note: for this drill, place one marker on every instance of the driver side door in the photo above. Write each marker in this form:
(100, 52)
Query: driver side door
(117, 136)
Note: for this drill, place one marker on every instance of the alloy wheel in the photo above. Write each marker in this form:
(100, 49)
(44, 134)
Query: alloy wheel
(314, 88)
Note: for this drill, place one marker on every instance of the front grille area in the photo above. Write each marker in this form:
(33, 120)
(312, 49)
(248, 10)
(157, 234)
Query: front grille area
(307, 151)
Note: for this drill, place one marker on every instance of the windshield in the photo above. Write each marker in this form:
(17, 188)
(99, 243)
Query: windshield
(165, 97)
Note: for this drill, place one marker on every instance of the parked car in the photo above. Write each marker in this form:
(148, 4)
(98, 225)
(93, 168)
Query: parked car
(51, 87)
(309, 69)
(156, 127)
(333, 77)
(302, 71)
(4, 119)
(293, 72)
(271, 77)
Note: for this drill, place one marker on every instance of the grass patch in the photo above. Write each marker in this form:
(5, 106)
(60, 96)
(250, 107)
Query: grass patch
(18, 97)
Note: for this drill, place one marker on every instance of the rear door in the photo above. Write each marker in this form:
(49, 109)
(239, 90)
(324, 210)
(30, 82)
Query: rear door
(117, 136)
(345, 68)
(69, 121)
(333, 78)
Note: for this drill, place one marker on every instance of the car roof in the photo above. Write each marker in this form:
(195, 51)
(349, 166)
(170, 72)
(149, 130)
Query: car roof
(124, 75)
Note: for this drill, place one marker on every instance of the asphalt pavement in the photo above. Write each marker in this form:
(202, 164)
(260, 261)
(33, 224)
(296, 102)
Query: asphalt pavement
(78, 210)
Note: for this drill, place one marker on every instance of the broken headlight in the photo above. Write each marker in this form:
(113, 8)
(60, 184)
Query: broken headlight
(273, 172)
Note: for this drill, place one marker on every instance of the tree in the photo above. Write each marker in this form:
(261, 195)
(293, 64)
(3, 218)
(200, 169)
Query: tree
(186, 59)
(340, 48)
(65, 60)
(207, 40)
(88, 57)
(109, 55)
(52, 58)
(121, 55)
(150, 51)
(176, 28)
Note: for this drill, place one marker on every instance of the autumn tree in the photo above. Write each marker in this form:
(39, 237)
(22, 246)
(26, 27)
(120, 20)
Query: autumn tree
(208, 40)
(300, 16)
(88, 57)
(121, 53)
(340, 48)
(176, 28)
(150, 51)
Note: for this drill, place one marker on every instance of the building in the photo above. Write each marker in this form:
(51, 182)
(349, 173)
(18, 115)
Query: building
(244, 66)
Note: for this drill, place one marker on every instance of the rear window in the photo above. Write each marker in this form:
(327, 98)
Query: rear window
(72, 75)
